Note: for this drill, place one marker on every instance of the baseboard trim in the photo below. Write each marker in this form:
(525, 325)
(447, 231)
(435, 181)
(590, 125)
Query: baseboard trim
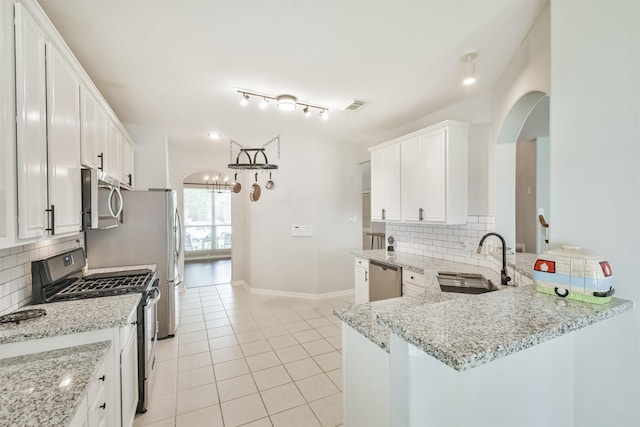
(305, 295)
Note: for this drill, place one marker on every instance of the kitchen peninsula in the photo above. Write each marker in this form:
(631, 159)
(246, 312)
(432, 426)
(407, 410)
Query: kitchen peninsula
(500, 358)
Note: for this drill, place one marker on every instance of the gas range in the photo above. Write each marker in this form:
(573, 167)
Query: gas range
(59, 278)
(99, 285)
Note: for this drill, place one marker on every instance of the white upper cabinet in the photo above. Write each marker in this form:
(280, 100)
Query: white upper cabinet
(385, 183)
(94, 131)
(31, 125)
(126, 163)
(112, 153)
(63, 144)
(48, 135)
(433, 174)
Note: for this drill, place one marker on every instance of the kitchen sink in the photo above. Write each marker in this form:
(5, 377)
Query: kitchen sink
(465, 283)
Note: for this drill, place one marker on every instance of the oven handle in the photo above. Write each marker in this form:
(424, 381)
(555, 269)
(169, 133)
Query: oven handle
(157, 294)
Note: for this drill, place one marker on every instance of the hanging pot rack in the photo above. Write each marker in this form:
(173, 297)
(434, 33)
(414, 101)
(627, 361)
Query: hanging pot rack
(252, 158)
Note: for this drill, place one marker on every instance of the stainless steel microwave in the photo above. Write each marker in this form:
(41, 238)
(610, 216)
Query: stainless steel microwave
(101, 201)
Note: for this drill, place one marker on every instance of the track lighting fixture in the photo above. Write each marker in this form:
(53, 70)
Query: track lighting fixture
(284, 103)
(470, 68)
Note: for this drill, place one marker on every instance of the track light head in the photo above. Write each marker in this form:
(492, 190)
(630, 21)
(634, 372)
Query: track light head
(264, 103)
(306, 111)
(470, 68)
(324, 115)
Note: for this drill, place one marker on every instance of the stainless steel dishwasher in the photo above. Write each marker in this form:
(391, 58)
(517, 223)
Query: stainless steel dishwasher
(385, 281)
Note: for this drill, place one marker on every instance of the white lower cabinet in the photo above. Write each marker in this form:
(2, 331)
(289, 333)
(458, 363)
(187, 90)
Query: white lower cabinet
(80, 419)
(412, 283)
(129, 376)
(361, 280)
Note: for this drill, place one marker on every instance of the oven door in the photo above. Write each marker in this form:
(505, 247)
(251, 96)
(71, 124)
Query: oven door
(151, 326)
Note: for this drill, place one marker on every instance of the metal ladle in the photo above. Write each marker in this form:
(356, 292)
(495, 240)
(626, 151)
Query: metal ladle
(270, 185)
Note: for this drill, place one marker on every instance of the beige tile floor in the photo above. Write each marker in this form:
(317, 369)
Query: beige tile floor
(242, 359)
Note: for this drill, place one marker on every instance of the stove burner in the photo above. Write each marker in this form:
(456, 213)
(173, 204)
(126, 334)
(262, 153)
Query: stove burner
(18, 316)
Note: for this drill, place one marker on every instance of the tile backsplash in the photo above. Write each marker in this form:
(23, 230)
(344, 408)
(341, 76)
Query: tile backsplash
(15, 269)
(459, 243)
(449, 242)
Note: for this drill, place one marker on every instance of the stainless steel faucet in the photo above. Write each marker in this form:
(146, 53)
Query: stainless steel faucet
(504, 278)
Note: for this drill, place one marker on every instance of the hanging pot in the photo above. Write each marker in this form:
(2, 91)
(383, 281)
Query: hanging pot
(236, 187)
(254, 193)
(270, 185)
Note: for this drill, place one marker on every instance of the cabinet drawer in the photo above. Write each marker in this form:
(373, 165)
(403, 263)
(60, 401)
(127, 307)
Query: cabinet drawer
(362, 262)
(97, 384)
(130, 328)
(412, 278)
(410, 290)
(97, 413)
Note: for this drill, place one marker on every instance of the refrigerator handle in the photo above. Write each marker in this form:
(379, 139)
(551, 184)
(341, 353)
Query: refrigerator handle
(178, 232)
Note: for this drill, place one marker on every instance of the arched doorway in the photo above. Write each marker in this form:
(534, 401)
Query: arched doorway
(207, 229)
(522, 161)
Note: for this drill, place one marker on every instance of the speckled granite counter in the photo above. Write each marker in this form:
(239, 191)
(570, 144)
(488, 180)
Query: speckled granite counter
(70, 317)
(32, 393)
(470, 330)
(426, 265)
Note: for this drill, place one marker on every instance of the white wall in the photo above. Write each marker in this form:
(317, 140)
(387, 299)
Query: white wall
(151, 157)
(527, 71)
(318, 183)
(595, 187)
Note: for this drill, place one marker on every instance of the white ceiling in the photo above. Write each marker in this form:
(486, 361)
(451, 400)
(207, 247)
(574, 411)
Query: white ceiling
(175, 64)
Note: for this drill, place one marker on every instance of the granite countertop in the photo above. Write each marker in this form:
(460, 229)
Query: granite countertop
(33, 390)
(70, 317)
(422, 264)
(466, 331)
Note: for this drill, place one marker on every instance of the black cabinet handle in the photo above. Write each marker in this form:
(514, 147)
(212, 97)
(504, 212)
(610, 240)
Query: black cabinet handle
(101, 157)
(134, 322)
(52, 220)
(102, 378)
(130, 177)
(420, 214)
(103, 406)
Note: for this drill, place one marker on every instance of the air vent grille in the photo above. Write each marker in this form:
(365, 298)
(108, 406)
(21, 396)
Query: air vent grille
(353, 105)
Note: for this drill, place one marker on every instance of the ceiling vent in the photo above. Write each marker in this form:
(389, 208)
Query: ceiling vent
(353, 105)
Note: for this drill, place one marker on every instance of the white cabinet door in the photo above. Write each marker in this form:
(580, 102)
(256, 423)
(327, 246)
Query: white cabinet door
(392, 183)
(31, 125)
(411, 170)
(112, 156)
(434, 148)
(126, 163)
(129, 379)
(94, 132)
(63, 144)
(385, 184)
(361, 281)
(377, 184)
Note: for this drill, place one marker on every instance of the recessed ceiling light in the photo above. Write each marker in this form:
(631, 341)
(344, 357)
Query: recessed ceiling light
(214, 135)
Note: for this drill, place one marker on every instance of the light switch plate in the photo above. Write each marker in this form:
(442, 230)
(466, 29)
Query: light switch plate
(302, 230)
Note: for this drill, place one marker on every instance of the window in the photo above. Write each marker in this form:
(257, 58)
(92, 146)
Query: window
(207, 219)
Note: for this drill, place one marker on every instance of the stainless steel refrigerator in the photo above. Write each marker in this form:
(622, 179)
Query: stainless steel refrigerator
(150, 233)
